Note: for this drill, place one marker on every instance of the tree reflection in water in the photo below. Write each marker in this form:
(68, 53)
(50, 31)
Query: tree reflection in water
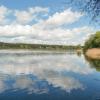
(95, 63)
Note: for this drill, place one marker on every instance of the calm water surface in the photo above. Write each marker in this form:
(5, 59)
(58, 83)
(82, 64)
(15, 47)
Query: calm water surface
(31, 75)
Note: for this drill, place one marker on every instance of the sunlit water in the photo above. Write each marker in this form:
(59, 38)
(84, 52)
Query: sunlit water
(45, 75)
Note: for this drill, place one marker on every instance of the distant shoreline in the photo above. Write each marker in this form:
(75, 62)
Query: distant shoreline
(36, 46)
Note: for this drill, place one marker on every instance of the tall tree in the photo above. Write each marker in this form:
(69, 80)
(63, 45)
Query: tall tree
(93, 41)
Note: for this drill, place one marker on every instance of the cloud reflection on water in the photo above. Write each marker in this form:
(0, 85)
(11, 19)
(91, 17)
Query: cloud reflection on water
(45, 67)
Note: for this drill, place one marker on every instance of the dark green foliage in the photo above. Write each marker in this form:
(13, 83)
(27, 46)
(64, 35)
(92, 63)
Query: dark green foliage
(36, 46)
(93, 41)
(95, 63)
(79, 46)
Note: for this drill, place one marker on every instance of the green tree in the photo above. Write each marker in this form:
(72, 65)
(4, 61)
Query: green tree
(93, 41)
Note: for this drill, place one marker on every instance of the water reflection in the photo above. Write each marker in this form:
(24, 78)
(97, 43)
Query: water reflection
(79, 54)
(94, 63)
(37, 73)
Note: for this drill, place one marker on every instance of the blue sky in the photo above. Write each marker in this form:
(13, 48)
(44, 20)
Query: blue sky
(44, 21)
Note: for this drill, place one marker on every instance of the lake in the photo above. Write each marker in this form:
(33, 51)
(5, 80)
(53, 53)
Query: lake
(48, 75)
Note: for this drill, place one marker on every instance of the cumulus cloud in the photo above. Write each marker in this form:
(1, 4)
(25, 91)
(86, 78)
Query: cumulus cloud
(65, 17)
(38, 9)
(49, 31)
(26, 16)
(23, 17)
(3, 13)
(34, 34)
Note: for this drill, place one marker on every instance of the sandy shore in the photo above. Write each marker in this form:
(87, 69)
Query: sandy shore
(93, 53)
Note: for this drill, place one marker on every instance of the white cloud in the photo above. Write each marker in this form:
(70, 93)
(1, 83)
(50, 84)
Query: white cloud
(36, 34)
(23, 17)
(48, 30)
(61, 18)
(3, 13)
(10, 30)
(26, 16)
(38, 9)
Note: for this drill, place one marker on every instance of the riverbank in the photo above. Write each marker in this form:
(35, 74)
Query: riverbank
(93, 53)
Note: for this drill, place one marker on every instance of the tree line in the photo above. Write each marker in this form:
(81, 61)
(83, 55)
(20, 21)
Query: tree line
(37, 46)
(93, 41)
